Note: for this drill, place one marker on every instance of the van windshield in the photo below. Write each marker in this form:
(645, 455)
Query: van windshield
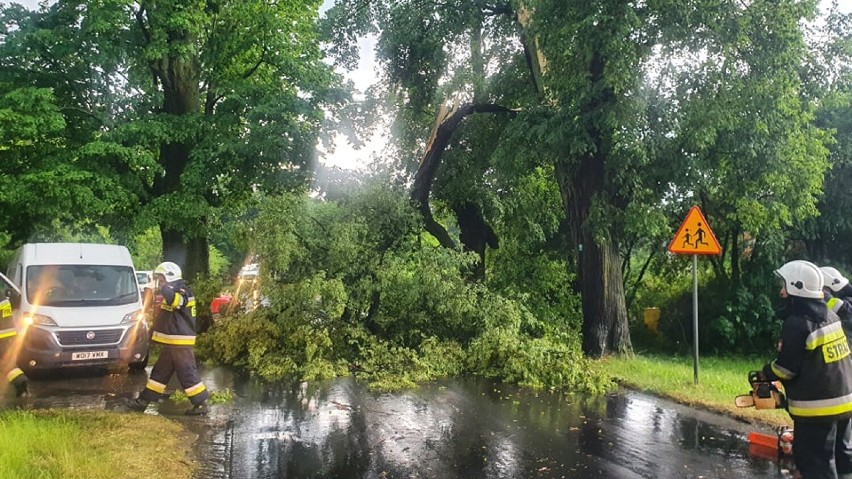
(81, 285)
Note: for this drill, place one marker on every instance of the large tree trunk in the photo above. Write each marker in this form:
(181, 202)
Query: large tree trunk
(174, 248)
(197, 257)
(605, 325)
(191, 254)
(178, 74)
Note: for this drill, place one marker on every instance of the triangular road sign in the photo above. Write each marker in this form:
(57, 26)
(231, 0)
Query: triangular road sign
(695, 236)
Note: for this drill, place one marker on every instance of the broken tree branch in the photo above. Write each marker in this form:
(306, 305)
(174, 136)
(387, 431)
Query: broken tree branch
(448, 121)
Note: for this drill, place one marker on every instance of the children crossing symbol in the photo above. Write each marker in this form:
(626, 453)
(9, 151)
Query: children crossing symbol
(695, 236)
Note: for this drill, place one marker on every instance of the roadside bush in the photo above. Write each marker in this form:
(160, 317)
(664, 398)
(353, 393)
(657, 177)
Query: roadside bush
(741, 320)
(549, 362)
(424, 294)
(289, 338)
(732, 317)
(668, 287)
(246, 341)
(729, 321)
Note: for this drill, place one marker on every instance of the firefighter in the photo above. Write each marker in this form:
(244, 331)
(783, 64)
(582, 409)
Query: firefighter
(8, 334)
(838, 296)
(174, 330)
(815, 367)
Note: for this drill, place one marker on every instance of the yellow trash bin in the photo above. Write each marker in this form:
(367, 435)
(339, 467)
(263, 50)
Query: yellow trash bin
(652, 318)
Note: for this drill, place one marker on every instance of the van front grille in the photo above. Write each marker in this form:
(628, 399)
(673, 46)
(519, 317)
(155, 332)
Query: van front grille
(89, 337)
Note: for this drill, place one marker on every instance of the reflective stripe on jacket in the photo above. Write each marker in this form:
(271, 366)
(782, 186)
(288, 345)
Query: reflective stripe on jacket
(842, 307)
(7, 324)
(175, 323)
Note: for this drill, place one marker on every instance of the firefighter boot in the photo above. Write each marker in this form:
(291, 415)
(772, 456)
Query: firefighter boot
(137, 405)
(198, 410)
(22, 388)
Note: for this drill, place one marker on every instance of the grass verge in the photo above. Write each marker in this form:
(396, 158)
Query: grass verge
(719, 381)
(90, 445)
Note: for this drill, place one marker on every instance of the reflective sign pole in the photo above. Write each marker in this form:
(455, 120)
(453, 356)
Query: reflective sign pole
(695, 316)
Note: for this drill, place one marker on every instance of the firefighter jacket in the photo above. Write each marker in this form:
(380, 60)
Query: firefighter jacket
(7, 324)
(841, 305)
(813, 363)
(175, 322)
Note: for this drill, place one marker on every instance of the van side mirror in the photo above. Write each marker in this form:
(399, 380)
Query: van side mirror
(14, 298)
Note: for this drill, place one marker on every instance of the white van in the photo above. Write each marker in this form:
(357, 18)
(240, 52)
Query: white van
(79, 305)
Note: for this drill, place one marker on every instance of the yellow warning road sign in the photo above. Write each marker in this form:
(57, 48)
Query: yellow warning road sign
(695, 236)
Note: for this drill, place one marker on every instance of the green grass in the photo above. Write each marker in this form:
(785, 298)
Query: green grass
(216, 397)
(91, 445)
(719, 381)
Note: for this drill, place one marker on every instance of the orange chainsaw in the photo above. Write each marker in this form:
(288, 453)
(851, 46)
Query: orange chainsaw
(771, 446)
(763, 395)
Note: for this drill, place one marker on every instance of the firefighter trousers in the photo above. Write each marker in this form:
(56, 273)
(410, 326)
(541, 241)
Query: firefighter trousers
(178, 360)
(14, 375)
(823, 450)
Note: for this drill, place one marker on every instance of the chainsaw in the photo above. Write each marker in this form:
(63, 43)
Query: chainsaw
(764, 394)
(775, 445)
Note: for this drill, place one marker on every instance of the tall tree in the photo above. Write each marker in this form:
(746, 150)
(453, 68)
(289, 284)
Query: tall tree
(755, 158)
(199, 102)
(588, 111)
(828, 78)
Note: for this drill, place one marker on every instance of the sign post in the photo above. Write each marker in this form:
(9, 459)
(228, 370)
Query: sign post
(695, 237)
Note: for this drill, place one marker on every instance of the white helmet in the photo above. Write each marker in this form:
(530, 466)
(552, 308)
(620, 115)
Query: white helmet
(169, 270)
(802, 279)
(833, 278)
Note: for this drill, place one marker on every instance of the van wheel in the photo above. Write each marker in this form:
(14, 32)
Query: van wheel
(140, 365)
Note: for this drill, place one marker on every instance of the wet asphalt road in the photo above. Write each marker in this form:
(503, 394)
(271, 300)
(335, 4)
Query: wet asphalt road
(453, 429)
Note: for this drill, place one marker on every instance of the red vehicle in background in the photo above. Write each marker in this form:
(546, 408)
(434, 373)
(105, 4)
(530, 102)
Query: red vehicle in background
(246, 296)
(218, 304)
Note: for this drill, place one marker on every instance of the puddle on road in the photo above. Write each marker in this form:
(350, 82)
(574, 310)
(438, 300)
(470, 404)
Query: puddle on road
(473, 429)
(450, 429)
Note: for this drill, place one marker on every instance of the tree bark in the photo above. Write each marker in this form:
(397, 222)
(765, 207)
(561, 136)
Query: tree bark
(191, 254)
(605, 325)
(197, 257)
(174, 248)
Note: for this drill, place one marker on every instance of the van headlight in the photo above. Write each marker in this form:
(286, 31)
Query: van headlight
(39, 319)
(133, 317)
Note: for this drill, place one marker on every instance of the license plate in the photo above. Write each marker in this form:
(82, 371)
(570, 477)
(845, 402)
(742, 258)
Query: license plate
(82, 356)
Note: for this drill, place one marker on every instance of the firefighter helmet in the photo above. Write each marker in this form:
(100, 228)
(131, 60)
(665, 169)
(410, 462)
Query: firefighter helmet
(169, 271)
(834, 280)
(802, 279)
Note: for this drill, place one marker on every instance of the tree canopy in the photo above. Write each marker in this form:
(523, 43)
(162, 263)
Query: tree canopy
(636, 110)
(159, 114)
